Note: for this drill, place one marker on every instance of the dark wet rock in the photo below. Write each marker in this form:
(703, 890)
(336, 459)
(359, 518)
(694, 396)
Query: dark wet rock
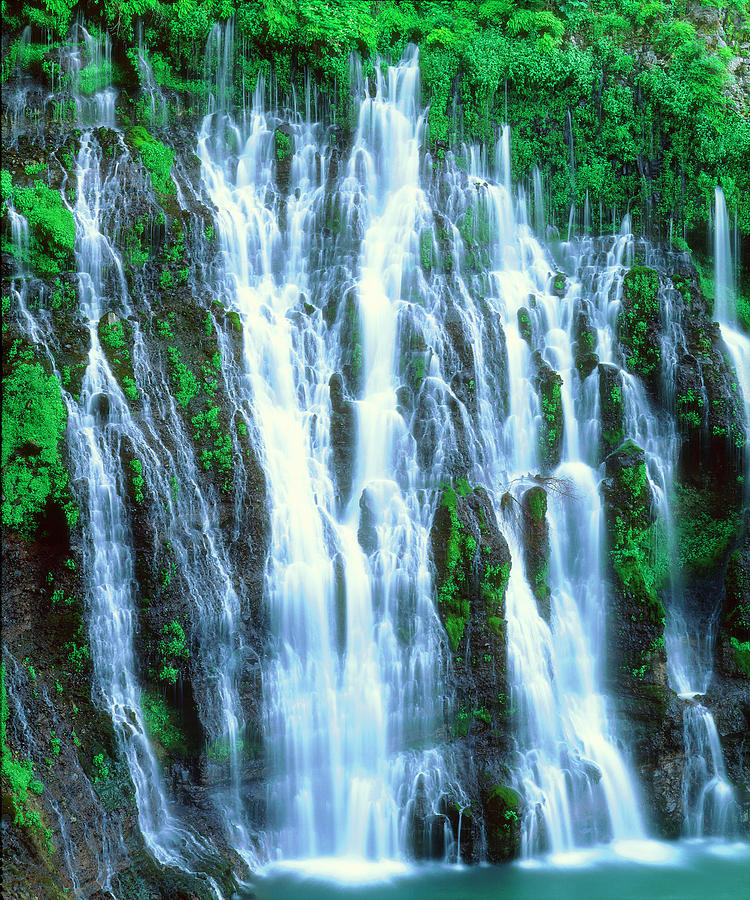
(367, 534)
(343, 437)
(536, 546)
(559, 285)
(472, 563)
(612, 406)
(637, 566)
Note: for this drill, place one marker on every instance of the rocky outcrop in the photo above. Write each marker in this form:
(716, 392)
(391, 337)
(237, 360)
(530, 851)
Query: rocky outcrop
(472, 564)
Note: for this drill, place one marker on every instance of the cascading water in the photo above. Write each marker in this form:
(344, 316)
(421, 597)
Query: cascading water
(568, 766)
(97, 425)
(707, 796)
(345, 697)
(352, 286)
(725, 310)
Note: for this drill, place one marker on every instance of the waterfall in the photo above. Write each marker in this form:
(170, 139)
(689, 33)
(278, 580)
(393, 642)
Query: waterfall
(569, 768)
(389, 326)
(725, 311)
(98, 423)
(707, 795)
(344, 697)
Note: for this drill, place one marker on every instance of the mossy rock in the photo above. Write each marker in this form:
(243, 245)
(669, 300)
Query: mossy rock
(536, 547)
(524, 324)
(343, 437)
(559, 285)
(612, 408)
(735, 614)
(551, 427)
(116, 338)
(502, 818)
(636, 541)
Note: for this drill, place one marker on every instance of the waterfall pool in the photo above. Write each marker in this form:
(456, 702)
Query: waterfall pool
(629, 870)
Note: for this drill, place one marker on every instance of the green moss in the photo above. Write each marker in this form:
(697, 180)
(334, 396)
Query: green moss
(136, 479)
(173, 650)
(157, 158)
(524, 324)
(186, 384)
(496, 626)
(33, 472)
(550, 435)
(637, 317)
(509, 797)
(537, 503)
(112, 335)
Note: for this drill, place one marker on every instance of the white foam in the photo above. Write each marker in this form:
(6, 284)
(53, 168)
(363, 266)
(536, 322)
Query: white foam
(343, 869)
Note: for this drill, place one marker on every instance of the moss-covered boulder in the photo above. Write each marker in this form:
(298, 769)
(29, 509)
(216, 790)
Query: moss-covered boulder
(559, 284)
(116, 338)
(638, 324)
(611, 406)
(536, 546)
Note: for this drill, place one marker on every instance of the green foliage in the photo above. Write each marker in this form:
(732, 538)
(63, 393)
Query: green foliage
(51, 227)
(704, 532)
(185, 382)
(550, 434)
(464, 718)
(112, 336)
(78, 655)
(34, 418)
(638, 550)
(172, 650)
(482, 63)
(162, 724)
(283, 145)
(101, 769)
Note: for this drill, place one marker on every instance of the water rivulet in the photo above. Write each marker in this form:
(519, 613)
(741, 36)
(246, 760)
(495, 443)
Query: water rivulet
(407, 530)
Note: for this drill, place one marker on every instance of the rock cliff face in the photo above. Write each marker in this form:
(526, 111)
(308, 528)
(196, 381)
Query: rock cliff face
(70, 820)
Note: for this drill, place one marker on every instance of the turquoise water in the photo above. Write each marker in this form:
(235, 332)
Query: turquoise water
(632, 872)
